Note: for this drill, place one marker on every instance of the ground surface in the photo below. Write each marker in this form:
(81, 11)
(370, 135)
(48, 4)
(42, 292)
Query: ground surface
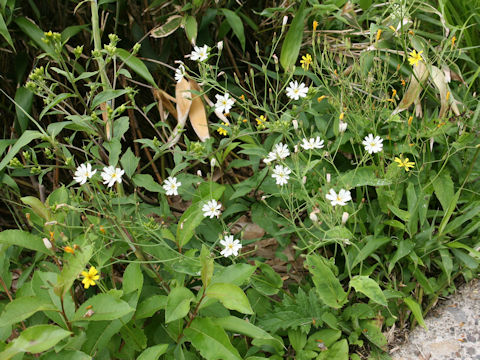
(453, 330)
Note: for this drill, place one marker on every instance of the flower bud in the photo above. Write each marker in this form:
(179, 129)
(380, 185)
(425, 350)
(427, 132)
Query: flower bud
(295, 124)
(213, 162)
(199, 173)
(342, 126)
(47, 243)
(220, 45)
(329, 177)
(345, 216)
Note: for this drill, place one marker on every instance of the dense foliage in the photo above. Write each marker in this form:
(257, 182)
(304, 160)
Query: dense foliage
(223, 181)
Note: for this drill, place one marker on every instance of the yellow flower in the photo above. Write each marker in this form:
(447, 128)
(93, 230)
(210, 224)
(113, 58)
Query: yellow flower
(90, 277)
(69, 250)
(315, 24)
(415, 57)
(222, 131)
(403, 82)
(453, 41)
(379, 33)
(306, 61)
(392, 28)
(342, 115)
(261, 120)
(320, 98)
(404, 163)
(410, 119)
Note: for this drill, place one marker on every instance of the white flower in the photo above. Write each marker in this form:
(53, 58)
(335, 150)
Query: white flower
(231, 246)
(280, 174)
(199, 53)
(296, 91)
(171, 186)
(179, 73)
(280, 151)
(111, 175)
(342, 126)
(338, 199)
(313, 143)
(224, 103)
(373, 145)
(211, 209)
(83, 173)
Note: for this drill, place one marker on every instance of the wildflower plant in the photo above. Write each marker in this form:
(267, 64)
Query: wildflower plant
(306, 209)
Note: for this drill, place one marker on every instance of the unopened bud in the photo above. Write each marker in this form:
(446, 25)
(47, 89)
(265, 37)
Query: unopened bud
(295, 124)
(342, 126)
(213, 162)
(431, 143)
(329, 177)
(345, 216)
(295, 148)
(304, 180)
(47, 243)
(199, 173)
(285, 20)
(220, 45)
(313, 217)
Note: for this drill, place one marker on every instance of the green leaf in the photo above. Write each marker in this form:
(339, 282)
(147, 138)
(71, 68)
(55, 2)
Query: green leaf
(27, 137)
(150, 306)
(327, 284)
(188, 222)
(23, 107)
(23, 239)
(35, 339)
(146, 181)
(4, 31)
(154, 352)
(231, 296)
(260, 336)
(293, 40)
(207, 266)
(404, 248)
(37, 207)
(136, 65)
(178, 304)
(269, 282)
(191, 29)
(370, 288)
(107, 95)
(373, 333)
(338, 351)
(236, 24)
(210, 340)
(51, 104)
(372, 244)
(402, 214)
(362, 177)
(132, 278)
(129, 162)
(444, 189)
(416, 311)
(237, 274)
(22, 308)
(104, 307)
(172, 24)
(36, 34)
(70, 272)
(447, 263)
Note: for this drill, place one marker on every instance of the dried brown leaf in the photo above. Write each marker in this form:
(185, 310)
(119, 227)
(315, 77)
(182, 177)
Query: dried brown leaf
(419, 76)
(198, 115)
(183, 98)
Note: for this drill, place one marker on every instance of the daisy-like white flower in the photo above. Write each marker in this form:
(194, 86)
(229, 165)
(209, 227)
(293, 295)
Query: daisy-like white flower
(179, 73)
(373, 144)
(231, 246)
(313, 143)
(339, 199)
(296, 91)
(281, 174)
(111, 175)
(224, 103)
(342, 126)
(280, 151)
(83, 173)
(212, 209)
(199, 53)
(171, 186)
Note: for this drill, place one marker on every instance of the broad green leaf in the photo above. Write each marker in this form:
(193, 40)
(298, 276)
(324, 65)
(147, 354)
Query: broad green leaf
(237, 274)
(37, 206)
(338, 351)
(327, 284)
(293, 40)
(150, 306)
(210, 340)
(104, 307)
(260, 337)
(207, 266)
(373, 333)
(107, 95)
(268, 282)
(404, 248)
(136, 65)
(154, 352)
(362, 177)
(36, 34)
(178, 304)
(23, 106)
(22, 308)
(27, 137)
(444, 189)
(325, 336)
(188, 222)
(191, 29)
(416, 311)
(370, 288)
(231, 296)
(23, 239)
(146, 181)
(75, 264)
(236, 24)
(132, 278)
(35, 339)
(51, 104)
(402, 214)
